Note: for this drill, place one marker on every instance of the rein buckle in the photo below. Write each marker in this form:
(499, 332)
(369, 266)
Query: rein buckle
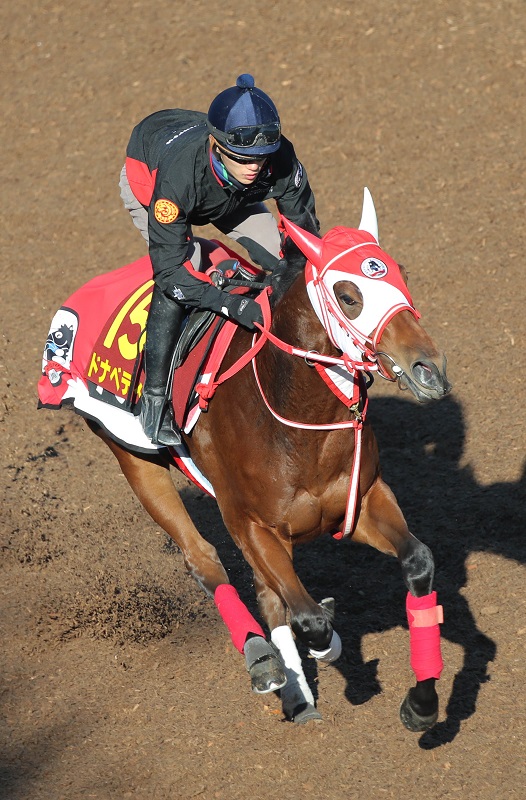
(355, 409)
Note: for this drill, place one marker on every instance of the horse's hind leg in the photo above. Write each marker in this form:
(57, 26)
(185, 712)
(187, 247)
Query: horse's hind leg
(382, 525)
(149, 477)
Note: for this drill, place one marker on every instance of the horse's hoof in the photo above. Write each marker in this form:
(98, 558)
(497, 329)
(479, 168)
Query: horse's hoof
(267, 673)
(305, 713)
(412, 720)
(329, 605)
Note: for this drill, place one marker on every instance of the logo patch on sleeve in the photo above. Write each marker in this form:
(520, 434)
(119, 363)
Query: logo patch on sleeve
(165, 211)
(299, 176)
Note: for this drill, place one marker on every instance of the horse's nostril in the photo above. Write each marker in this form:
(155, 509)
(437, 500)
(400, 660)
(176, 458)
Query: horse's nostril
(426, 374)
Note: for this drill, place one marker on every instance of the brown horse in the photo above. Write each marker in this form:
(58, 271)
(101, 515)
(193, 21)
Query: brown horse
(290, 455)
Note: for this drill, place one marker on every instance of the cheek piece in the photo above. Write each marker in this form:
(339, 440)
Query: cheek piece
(424, 618)
(236, 615)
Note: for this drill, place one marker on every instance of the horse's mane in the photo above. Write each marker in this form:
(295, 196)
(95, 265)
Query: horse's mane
(284, 276)
(292, 263)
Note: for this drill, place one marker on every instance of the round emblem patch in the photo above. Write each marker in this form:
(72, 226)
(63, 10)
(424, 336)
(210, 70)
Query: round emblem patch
(165, 211)
(374, 268)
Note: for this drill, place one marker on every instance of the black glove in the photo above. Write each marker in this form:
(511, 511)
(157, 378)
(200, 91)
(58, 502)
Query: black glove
(234, 306)
(242, 309)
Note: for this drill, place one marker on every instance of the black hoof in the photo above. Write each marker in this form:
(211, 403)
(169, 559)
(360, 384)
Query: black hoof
(264, 665)
(305, 713)
(412, 720)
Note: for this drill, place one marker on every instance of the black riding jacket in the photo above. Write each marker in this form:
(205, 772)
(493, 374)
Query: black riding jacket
(174, 145)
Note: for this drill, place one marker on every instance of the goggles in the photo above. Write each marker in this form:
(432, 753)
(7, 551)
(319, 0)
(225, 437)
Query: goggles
(253, 135)
(241, 159)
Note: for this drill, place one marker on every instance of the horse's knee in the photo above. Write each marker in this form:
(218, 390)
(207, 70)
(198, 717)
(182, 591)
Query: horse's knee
(313, 628)
(418, 567)
(204, 565)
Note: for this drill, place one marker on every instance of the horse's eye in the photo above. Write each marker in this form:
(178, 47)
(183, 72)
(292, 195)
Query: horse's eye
(349, 298)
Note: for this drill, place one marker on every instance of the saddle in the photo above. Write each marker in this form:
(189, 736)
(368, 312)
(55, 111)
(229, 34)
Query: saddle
(198, 344)
(191, 353)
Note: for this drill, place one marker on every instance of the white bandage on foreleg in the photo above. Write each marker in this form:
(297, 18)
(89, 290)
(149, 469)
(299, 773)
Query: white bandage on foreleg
(333, 652)
(297, 690)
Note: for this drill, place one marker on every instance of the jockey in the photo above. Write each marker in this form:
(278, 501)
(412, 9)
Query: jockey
(187, 168)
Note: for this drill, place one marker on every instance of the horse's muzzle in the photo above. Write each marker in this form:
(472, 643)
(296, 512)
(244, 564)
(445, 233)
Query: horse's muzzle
(427, 381)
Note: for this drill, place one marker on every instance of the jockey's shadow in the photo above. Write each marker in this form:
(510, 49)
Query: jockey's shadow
(420, 452)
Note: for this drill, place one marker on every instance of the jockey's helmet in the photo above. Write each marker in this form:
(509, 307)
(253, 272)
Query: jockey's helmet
(244, 120)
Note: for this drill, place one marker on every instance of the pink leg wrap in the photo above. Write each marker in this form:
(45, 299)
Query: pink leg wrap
(236, 615)
(424, 618)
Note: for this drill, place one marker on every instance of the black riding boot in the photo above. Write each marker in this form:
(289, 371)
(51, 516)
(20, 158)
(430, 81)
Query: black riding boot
(162, 332)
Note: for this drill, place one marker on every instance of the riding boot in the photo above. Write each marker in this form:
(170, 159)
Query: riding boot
(162, 332)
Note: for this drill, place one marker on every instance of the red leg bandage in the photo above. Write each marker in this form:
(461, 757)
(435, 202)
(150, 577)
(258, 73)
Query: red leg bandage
(424, 618)
(236, 615)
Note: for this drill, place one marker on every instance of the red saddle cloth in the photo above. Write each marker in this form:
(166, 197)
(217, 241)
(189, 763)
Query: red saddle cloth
(95, 347)
(96, 335)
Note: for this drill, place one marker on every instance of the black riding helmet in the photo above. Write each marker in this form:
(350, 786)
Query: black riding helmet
(244, 120)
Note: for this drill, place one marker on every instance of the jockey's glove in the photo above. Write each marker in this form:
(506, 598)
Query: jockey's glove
(237, 307)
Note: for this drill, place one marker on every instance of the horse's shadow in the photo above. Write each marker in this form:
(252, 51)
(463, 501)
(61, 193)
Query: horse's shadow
(420, 450)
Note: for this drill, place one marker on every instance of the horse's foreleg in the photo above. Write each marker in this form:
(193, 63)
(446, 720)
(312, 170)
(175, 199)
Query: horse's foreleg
(383, 526)
(297, 699)
(271, 559)
(419, 711)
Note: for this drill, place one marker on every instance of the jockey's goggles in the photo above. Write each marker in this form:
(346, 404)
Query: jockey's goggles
(253, 135)
(241, 159)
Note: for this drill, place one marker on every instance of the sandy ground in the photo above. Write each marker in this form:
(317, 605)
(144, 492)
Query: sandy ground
(117, 677)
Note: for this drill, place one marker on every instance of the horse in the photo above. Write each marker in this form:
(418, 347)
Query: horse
(287, 447)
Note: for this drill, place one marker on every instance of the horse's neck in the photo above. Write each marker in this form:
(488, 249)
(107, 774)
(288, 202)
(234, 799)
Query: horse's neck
(295, 388)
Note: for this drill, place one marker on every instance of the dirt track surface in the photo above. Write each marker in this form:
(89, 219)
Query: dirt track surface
(117, 677)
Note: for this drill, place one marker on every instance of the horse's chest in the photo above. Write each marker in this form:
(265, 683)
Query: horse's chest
(316, 510)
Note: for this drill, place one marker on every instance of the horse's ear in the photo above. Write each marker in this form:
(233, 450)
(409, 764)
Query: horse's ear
(369, 221)
(309, 244)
